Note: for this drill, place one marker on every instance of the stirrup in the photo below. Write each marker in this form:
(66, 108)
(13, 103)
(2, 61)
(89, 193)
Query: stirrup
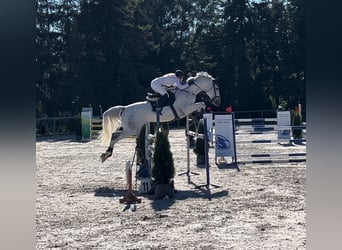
(160, 110)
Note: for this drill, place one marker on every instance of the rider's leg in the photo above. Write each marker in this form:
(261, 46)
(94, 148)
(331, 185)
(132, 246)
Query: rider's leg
(162, 100)
(160, 90)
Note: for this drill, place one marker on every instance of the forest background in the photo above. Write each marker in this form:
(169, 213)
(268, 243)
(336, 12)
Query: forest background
(106, 52)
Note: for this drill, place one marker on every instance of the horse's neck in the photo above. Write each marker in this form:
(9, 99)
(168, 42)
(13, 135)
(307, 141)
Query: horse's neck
(184, 97)
(187, 95)
(194, 89)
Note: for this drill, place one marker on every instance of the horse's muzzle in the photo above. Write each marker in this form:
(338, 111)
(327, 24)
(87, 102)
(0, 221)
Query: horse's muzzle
(216, 101)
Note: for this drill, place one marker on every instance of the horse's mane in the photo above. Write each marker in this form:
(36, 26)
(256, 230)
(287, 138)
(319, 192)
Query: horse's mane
(191, 79)
(203, 74)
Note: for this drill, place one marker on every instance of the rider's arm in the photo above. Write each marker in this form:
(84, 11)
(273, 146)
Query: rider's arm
(179, 85)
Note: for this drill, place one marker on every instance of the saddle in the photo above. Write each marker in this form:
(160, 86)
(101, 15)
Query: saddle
(152, 98)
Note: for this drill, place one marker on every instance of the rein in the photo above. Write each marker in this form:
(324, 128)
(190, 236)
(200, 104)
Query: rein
(213, 87)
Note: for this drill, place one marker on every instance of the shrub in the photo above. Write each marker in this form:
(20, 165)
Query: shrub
(140, 144)
(163, 169)
(297, 121)
(199, 143)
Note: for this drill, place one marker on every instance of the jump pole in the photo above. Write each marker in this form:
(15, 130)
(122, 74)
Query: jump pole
(145, 174)
(187, 172)
(283, 125)
(148, 146)
(206, 158)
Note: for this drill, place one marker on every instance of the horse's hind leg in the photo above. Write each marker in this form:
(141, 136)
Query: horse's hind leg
(113, 140)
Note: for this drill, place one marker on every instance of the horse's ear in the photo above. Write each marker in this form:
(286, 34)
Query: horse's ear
(190, 80)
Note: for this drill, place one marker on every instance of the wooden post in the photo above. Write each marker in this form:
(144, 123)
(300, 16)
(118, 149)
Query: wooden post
(130, 197)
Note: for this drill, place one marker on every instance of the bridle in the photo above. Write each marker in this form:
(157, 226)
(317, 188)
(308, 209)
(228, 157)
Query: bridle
(216, 99)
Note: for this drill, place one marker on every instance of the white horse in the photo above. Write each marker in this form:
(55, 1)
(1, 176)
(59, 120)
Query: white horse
(123, 121)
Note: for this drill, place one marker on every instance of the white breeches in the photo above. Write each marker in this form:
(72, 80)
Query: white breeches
(158, 88)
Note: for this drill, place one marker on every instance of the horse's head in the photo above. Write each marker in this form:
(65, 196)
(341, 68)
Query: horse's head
(205, 83)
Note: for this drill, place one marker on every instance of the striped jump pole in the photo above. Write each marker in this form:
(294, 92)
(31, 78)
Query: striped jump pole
(265, 157)
(266, 128)
(282, 125)
(272, 161)
(206, 155)
(145, 165)
(255, 120)
(272, 141)
(274, 155)
(205, 138)
(188, 134)
(255, 133)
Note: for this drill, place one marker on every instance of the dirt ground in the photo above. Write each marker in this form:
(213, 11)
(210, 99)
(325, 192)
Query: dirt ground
(262, 206)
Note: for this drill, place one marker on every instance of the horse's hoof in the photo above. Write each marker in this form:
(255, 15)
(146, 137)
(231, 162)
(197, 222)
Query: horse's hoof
(105, 156)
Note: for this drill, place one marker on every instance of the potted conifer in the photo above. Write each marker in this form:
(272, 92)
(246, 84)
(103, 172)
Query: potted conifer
(163, 170)
(297, 121)
(199, 144)
(140, 146)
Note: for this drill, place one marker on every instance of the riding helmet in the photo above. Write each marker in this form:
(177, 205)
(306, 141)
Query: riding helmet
(179, 73)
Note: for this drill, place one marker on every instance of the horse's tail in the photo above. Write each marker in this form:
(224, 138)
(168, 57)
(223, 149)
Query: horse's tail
(110, 123)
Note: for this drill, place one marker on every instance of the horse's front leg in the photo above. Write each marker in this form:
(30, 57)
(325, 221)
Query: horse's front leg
(198, 106)
(115, 137)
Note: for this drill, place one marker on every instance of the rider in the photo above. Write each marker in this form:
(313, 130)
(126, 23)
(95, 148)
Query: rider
(171, 79)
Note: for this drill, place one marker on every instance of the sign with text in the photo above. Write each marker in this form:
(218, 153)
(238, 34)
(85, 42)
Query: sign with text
(224, 136)
(284, 119)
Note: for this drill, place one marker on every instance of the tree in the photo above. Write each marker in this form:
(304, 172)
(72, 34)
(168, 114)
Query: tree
(107, 52)
(203, 43)
(267, 47)
(47, 57)
(236, 64)
(296, 52)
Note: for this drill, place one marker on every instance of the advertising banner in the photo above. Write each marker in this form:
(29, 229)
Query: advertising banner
(224, 136)
(284, 119)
